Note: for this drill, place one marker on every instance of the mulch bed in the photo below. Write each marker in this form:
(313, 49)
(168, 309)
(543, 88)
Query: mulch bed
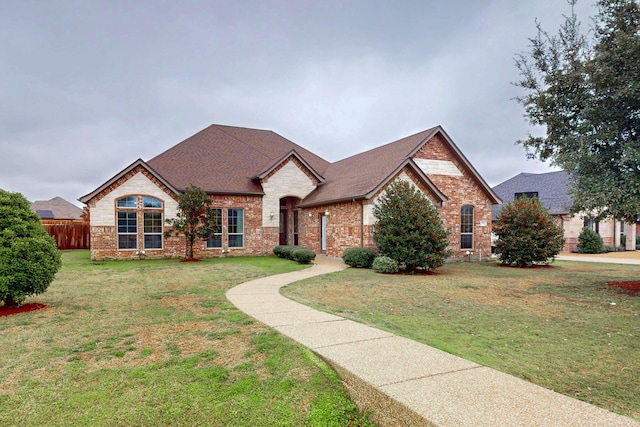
(24, 308)
(631, 287)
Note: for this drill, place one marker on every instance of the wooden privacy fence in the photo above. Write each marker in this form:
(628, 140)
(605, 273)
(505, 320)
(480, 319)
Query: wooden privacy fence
(71, 235)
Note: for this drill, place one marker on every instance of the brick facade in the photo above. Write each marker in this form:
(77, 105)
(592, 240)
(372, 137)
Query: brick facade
(272, 216)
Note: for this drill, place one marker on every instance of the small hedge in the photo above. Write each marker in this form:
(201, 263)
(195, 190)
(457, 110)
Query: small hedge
(359, 257)
(303, 255)
(384, 264)
(295, 253)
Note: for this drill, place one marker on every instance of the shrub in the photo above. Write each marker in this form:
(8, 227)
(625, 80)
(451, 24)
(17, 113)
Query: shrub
(359, 257)
(284, 251)
(29, 258)
(527, 234)
(303, 255)
(384, 264)
(590, 242)
(637, 242)
(409, 229)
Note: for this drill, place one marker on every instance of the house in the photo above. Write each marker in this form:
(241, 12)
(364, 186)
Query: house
(552, 189)
(269, 191)
(64, 221)
(57, 210)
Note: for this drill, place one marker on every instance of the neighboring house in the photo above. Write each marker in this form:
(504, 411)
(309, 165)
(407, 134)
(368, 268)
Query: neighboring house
(552, 189)
(269, 191)
(64, 221)
(57, 210)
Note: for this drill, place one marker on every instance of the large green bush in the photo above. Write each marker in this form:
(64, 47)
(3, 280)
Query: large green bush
(590, 242)
(409, 229)
(359, 257)
(29, 258)
(527, 234)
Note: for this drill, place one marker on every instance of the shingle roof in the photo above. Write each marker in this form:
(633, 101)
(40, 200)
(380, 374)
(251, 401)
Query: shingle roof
(552, 189)
(56, 208)
(227, 159)
(232, 160)
(359, 175)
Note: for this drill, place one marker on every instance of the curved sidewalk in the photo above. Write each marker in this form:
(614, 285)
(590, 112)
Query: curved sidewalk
(407, 383)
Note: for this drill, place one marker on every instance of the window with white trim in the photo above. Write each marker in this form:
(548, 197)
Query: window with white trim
(466, 227)
(127, 230)
(139, 218)
(235, 228)
(215, 242)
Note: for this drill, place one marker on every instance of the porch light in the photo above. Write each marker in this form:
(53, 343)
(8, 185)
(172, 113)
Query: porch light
(327, 213)
(271, 214)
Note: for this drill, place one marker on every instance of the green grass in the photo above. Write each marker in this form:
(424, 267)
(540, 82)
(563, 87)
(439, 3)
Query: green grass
(560, 327)
(155, 342)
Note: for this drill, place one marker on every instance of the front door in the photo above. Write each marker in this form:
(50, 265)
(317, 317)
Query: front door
(283, 226)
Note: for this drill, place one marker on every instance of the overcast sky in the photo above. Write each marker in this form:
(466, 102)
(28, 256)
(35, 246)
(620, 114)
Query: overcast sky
(87, 87)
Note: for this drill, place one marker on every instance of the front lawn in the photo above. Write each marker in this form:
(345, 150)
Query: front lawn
(560, 327)
(155, 342)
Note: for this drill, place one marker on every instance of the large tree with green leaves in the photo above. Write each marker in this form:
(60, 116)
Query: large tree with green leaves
(584, 90)
(196, 218)
(29, 258)
(409, 229)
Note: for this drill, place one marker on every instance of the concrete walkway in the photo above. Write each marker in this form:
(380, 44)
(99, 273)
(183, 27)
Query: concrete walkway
(407, 383)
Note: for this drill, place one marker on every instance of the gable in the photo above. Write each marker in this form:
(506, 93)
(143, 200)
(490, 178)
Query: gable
(443, 162)
(137, 183)
(405, 175)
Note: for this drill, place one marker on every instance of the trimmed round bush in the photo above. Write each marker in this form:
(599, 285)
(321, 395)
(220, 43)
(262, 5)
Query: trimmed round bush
(384, 264)
(359, 257)
(29, 258)
(303, 255)
(590, 242)
(284, 251)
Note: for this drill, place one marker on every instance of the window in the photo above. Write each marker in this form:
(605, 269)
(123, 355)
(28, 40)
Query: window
(527, 194)
(128, 230)
(235, 227)
(216, 240)
(149, 210)
(152, 230)
(466, 227)
(128, 202)
(150, 202)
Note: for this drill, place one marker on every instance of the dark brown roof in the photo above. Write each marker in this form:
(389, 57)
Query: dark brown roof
(56, 208)
(232, 160)
(226, 159)
(358, 176)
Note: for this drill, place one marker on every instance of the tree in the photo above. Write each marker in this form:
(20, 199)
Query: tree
(527, 234)
(409, 229)
(586, 94)
(29, 258)
(196, 218)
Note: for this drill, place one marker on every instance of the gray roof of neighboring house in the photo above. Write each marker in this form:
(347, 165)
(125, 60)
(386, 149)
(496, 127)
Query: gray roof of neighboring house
(552, 189)
(56, 208)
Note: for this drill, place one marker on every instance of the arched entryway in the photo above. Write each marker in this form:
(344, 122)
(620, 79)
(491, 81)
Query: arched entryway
(289, 225)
